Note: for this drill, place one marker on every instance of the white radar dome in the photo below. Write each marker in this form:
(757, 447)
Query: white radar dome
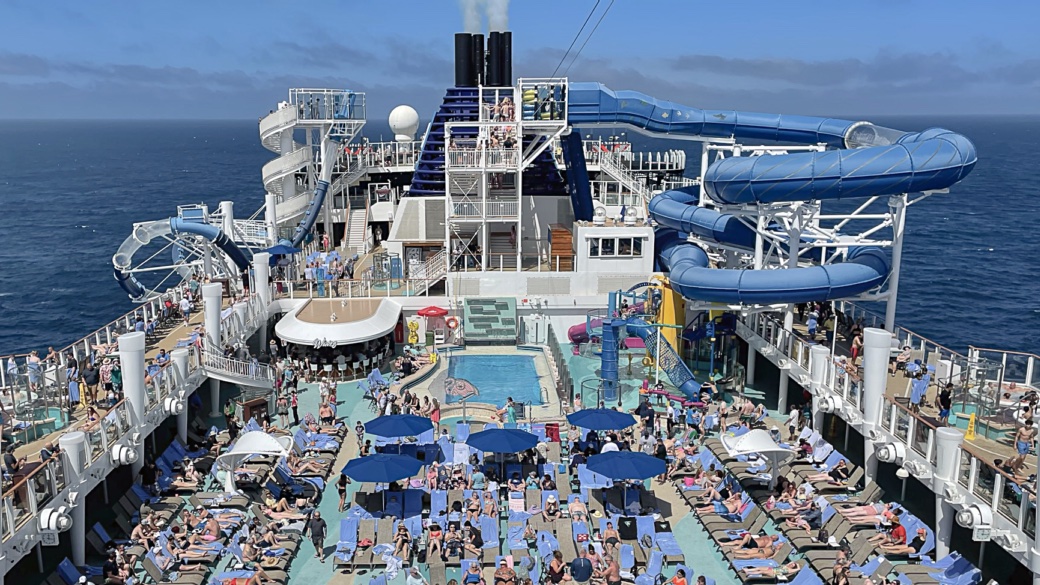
(404, 121)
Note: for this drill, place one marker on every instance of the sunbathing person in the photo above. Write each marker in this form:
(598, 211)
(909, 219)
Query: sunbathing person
(750, 541)
(166, 563)
(809, 520)
(473, 508)
(874, 514)
(435, 543)
(911, 548)
(304, 467)
(253, 554)
(402, 540)
(895, 536)
(728, 506)
(552, 509)
(577, 510)
(764, 552)
(182, 483)
(836, 476)
(490, 505)
(773, 573)
(611, 539)
(680, 464)
(180, 549)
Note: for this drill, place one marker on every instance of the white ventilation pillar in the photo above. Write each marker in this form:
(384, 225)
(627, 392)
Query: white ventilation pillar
(179, 359)
(131, 361)
(819, 357)
(947, 449)
(73, 445)
(212, 294)
(877, 346)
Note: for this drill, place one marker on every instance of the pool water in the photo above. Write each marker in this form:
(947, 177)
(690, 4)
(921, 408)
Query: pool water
(497, 377)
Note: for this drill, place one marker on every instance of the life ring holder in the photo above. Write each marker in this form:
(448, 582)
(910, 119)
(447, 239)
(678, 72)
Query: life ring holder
(451, 322)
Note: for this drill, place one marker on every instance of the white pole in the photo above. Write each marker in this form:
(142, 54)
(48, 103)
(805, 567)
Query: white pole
(73, 444)
(794, 237)
(877, 345)
(271, 215)
(131, 362)
(179, 359)
(947, 447)
(657, 359)
(898, 205)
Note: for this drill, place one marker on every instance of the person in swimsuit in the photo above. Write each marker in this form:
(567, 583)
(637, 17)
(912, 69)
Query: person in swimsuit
(577, 510)
(836, 476)
(436, 541)
(750, 541)
(911, 548)
(473, 508)
(679, 578)
(401, 541)
(771, 573)
(610, 574)
(490, 505)
(341, 486)
(556, 571)
(611, 539)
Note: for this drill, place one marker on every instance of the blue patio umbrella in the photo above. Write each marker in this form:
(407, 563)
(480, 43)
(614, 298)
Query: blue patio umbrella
(398, 425)
(502, 440)
(282, 250)
(621, 465)
(382, 468)
(601, 419)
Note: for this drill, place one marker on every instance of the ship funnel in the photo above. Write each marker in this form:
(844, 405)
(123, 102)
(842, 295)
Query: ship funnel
(465, 70)
(493, 78)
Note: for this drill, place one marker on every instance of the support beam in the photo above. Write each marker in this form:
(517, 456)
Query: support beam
(749, 371)
(214, 398)
(897, 204)
(819, 357)
(131, 361)
(212, 294)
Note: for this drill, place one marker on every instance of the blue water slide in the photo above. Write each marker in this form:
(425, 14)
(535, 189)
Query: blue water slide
(311, 217)
(876, 160)
(213, 234)
(669, 361)
(174, 226)
(577, 176)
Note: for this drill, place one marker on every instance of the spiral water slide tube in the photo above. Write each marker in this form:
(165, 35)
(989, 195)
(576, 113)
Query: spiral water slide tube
(870, 160)
(144, 233)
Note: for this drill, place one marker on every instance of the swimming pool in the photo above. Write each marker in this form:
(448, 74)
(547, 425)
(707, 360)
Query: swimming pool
(496, 377)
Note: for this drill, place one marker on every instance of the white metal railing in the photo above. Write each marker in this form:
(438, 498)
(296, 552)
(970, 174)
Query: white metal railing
(249, 370)
(500, 209)
(483, 158)
(250, 231)
(465, 209)
(543, 99)
(328, 104)
(385, 156)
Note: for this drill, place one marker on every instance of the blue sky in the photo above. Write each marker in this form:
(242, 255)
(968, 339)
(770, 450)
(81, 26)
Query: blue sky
(235, 59)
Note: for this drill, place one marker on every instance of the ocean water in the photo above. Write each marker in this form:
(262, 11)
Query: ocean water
(71, 190)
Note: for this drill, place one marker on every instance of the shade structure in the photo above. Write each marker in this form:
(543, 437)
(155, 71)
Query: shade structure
(502, 440)
(432, 312)
(382, 468)
(758, 443)
(621, 465)
(398, 425)
(281, 250)
(601, 419)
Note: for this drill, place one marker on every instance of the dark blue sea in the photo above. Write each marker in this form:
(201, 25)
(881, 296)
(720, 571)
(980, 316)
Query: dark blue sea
(70, 191)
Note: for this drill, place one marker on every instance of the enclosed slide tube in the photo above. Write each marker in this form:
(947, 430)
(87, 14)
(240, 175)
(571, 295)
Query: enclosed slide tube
(876, 160)
(143, 235)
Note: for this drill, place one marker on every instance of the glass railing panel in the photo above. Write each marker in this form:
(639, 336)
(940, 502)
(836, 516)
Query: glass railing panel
(42, 489)
(5, 525)
(964, 469)
(1010, 503)
(96, 441)
(1029, 523)
(984, 482)
(886, 417)
(18, 498)
(902, 425)
(920, 439)
(57, 471)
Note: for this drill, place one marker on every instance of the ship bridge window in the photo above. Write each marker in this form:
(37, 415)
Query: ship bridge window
(615, 247)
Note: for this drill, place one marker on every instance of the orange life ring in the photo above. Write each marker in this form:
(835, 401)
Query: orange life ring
(451, 322)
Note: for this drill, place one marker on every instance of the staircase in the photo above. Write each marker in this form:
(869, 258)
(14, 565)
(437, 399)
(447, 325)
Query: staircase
(460, 105)
(357, 230)
(610, 163)
(501, 253)
(669, 361)
(430, 273)
(491, 321)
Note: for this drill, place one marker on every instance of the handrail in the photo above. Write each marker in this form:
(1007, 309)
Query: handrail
(273, 171)
(237, 368)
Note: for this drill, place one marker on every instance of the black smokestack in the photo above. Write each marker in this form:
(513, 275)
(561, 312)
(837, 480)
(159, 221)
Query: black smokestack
(507, 58)
(464, 71)
(478, 59)
(494, 60)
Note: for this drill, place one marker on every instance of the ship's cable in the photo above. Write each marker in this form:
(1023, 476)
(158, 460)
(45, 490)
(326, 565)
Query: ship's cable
(576, 37)
(598, 22)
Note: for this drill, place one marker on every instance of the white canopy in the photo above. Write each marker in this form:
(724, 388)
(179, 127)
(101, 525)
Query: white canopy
(333, 323)
(248, 445)
(758, 443)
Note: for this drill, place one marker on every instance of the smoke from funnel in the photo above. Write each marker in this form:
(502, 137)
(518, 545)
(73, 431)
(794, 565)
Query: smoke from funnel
(498, 14)
(474, 11)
